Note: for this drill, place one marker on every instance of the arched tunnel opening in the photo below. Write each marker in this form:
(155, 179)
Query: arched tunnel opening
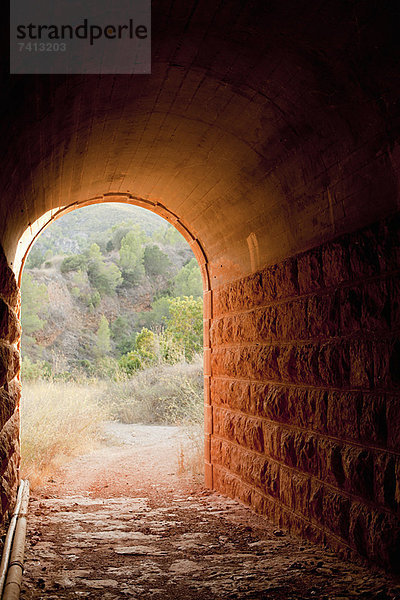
(112, 345)
(270, 133)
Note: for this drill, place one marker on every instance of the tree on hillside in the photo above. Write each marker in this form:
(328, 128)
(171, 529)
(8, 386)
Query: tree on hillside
(188, 281)
(95, 252)
(104, 277)
(103, 338)
(156, 262)
(75, 262)
(169, 236)
(35, 301)
(122, 335)
(118, 232)
(35, 258)
(156, 318)
(185, 325)
(131, 256)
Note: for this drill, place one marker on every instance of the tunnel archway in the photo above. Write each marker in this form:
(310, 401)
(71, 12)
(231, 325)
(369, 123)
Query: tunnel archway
(275, 142)
(33, 232)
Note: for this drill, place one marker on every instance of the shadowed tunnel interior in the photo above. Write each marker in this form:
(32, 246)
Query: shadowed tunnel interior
(268, 132)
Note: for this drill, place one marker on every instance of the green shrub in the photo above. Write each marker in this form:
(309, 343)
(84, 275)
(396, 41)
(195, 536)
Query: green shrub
(73, 263)
(130, 362)
(155, 261)
(33, 371)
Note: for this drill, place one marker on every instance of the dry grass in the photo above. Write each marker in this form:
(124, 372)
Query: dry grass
(160, 395)
(165, 395)
(59, 420)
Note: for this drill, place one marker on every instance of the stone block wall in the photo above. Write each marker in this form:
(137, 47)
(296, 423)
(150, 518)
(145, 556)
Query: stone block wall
(305, 393)
(10, 387)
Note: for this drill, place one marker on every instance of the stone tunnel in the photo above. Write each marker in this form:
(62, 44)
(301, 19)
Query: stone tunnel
(268, 134)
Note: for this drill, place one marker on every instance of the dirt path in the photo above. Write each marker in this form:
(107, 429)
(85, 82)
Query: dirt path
(121, 523)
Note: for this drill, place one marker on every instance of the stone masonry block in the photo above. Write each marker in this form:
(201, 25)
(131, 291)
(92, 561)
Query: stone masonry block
(310, 271)
(9, 362)
(386, 480)
(9, 290)
(295, 490)
(272, 440)
(10, 328)
(394, 364)
(9, 440)
(317, 492)
(361, 365)
(9, 400)
(289, 362)
(269, 283)
(262, 363)
(359, 528)
(388, 244)
(275, 402)
(244, 327)
(344, 411)
(308, 408)
(374, 420)
(336, 511)
(351, 310)
(291, 320)
(384, 539)
(376, 307)
(363, 255)
(308, 364)
(323, 316)
(330, 458)
(306, 446)
(252, 290)
(286, 283)
(358, 467)
(265, 325)
(334, 364)
(8, 484)
(270, 478)
(392, 409)
(231, 393)
(335, 263)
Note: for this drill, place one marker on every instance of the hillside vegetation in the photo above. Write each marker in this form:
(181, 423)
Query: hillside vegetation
(106, 291)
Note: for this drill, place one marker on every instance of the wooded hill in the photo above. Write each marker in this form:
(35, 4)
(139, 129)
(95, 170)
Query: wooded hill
(109, 286)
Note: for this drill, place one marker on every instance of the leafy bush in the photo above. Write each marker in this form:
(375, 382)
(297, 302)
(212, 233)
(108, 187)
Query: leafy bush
(130, 362)
(73, 263)
(145, 353)
(105, 278)
(32, 371)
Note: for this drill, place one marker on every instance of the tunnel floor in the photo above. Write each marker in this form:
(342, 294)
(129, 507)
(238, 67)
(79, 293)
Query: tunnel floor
(122, 522)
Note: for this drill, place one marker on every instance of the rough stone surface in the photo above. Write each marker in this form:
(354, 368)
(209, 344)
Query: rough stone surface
(10, 387)
(308, 386)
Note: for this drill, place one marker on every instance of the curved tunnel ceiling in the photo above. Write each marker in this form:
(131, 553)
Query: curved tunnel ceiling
(260, 127)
